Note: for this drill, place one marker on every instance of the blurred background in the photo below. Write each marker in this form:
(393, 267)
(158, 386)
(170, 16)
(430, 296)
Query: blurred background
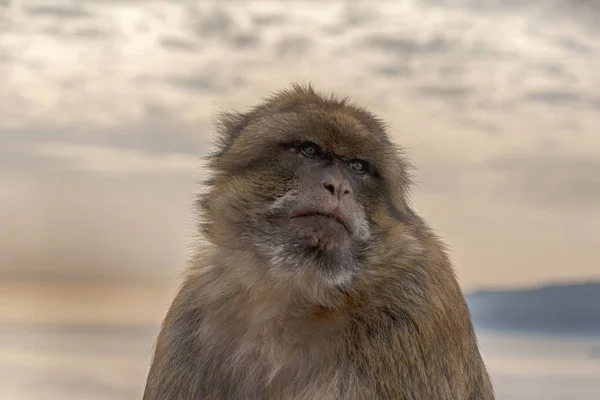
(106, 110)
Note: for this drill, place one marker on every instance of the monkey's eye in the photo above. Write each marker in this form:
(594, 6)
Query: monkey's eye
(359, 166)
(311, 150)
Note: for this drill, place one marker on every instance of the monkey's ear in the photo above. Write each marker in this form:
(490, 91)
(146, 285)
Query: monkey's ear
(229, 126)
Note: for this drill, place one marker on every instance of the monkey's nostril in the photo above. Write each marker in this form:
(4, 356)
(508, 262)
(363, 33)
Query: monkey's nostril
(330, 187)
(345, 189)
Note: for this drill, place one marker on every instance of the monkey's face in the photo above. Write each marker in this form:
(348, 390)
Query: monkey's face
(315, 217)
(322, 213)
(305, 188)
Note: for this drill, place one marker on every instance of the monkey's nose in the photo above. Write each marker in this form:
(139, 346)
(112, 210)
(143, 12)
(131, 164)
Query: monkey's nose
(337, 188)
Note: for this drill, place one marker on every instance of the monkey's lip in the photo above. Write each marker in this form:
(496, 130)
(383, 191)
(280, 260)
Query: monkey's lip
(331, 216)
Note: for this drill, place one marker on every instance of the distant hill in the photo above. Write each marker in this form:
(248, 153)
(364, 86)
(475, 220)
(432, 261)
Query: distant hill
(552, 309)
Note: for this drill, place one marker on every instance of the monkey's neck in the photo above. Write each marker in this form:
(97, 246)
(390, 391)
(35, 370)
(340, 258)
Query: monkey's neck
(243, 281)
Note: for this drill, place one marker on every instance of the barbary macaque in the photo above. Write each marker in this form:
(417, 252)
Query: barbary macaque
(317, 280)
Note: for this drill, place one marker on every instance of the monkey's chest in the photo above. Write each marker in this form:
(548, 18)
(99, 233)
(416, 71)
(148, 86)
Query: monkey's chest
(280, 361)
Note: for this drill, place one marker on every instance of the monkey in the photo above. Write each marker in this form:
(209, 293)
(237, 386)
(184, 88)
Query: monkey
(316, 278)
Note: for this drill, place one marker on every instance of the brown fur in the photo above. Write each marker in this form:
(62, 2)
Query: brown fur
(394, 326)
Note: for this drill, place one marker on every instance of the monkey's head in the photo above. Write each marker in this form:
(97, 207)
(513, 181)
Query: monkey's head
(308, 182)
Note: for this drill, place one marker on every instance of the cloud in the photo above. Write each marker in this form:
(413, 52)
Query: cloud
(563, 98)
(111, 160)
(555, 180)
(398, 69)
(212, 22)
(357, 14)
(573, 45)
(202, 82)
(555, 97)
(293, 45)
(445, 92)
(58, 12)
(553, 69)
(177, 43)
(407, 46)
(158, 130)
(266, 20)
(245, 40)
(452, 175)
(489, 127)
(454, 95)
(222, 24)
(90, 33)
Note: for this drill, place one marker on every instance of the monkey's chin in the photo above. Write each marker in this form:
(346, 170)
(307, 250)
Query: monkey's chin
(319, 233)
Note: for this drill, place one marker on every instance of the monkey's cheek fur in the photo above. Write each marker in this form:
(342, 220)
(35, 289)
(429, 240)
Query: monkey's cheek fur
(320, 233)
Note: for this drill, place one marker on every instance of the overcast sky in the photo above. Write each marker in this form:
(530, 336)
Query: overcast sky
(106, 109)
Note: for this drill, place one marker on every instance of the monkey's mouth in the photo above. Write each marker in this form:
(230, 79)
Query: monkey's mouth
(332, 217)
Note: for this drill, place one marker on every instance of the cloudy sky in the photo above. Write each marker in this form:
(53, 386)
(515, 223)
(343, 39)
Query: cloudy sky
(106, 109)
